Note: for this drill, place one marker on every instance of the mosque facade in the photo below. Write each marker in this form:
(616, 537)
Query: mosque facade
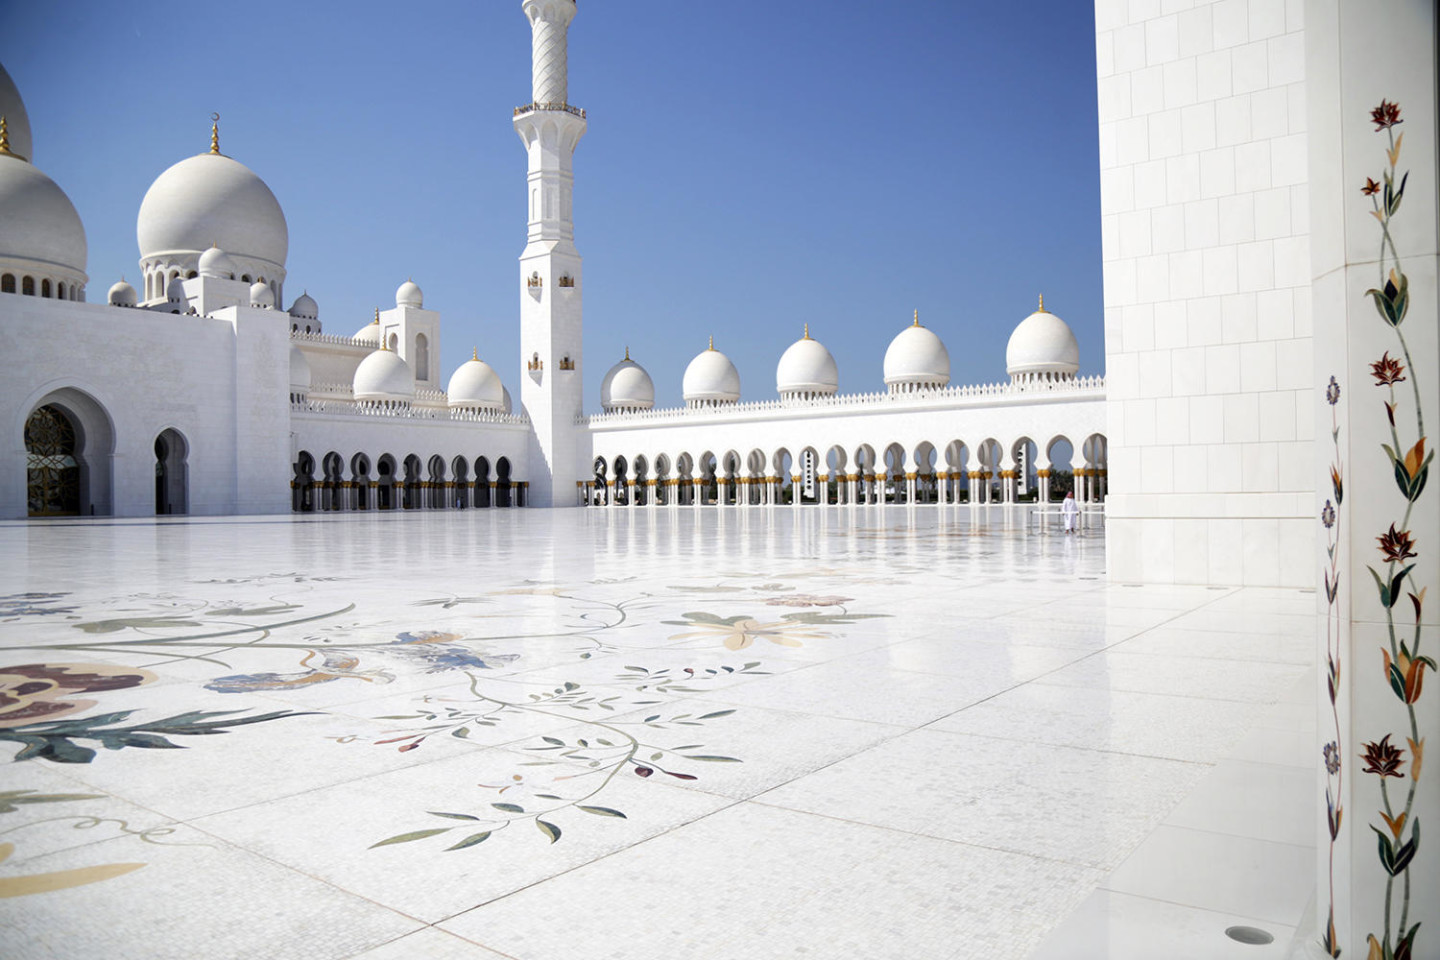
(260, 409)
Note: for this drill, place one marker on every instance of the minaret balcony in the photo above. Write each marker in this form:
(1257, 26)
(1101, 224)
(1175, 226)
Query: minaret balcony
(550, 107)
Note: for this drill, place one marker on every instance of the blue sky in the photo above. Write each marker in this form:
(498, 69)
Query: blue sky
(750, 166)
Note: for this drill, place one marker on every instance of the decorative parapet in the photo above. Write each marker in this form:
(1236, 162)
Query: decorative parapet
(550, 107)
(332, 339)
(401, 411)
(1081, 388)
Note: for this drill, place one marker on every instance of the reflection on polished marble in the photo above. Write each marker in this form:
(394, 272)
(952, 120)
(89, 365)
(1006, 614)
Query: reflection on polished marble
(555, 735)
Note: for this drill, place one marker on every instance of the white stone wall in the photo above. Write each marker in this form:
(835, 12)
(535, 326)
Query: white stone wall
(144, 372)
(1204, 205)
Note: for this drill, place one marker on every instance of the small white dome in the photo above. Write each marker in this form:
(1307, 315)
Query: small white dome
(917, 356)
(212, 199)
(299, 371)
(305, 308)
(807, 367)
(711, 377)
(39, 221)
(122, 295)
(384, 376)
(370, 333)
(409, 295)
(261, 295)
(476, 384)
(215, 263)
(627, 387)
(17, 119)
(1042, 345)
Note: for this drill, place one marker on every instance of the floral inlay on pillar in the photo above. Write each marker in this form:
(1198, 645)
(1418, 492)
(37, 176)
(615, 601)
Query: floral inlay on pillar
(1398, 840)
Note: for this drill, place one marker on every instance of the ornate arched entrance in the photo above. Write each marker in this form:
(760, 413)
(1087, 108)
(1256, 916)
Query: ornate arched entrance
(52, 464)
(171, 481)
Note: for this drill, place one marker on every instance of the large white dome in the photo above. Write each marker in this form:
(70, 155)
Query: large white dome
(807, 367)
(38, 222)
(1042, 346)
(384, 376)
(627, 387)
(17, 119)
(917, 357)
(476, 384)
(711, 378)
(212, 200)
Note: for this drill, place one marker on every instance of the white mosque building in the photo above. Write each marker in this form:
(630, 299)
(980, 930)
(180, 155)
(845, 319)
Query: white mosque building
(258, 409)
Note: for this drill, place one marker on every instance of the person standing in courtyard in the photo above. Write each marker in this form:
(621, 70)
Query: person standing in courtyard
(1070, 510)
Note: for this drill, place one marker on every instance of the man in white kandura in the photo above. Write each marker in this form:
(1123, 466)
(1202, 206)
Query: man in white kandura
(1070, 510)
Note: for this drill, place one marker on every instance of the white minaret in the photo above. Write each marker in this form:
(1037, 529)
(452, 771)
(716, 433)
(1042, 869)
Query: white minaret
(550, 281)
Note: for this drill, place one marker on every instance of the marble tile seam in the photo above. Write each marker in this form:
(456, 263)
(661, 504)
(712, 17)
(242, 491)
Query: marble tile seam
(430, 926)
(1008, 851)
(600, 859)
(1074, 746)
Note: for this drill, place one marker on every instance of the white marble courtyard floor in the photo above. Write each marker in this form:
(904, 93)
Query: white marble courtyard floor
(565, 735)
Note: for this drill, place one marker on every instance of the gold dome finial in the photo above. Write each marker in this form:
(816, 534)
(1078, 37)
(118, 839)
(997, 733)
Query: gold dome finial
(917, 319)
(1042, 303)
(474, 353)
(712, 342)
(5, 138)
(377, 315)
(807, 332)
(215, 133)
(627, 351)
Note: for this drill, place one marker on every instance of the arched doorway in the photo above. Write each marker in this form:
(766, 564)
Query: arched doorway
(502, 482)
(302, 486)
(52, 463)
(171, 480)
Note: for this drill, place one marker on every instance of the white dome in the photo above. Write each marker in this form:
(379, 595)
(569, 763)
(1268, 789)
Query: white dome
(299, 371)
(384, 376)
(212, 199)
(39, 222)
(1042, 344)
(409, 295)
(370, 333)
(17, 119)
(711, 377)
(627, 386)
(261, 295)
(305, 308)
(215, 263)
(807, 367)
(917, 356)
(476, 384)
(121, 295)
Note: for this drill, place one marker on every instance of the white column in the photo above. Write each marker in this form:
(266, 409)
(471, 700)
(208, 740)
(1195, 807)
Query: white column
(1374, 298)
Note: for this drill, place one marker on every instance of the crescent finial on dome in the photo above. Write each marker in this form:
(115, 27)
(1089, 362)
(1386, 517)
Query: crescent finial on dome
(712, 342)
(5, 138)
(474, 353)
(215, 134)
(1042, 304)
(917, 319)
(627, 351)
(807, 332)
